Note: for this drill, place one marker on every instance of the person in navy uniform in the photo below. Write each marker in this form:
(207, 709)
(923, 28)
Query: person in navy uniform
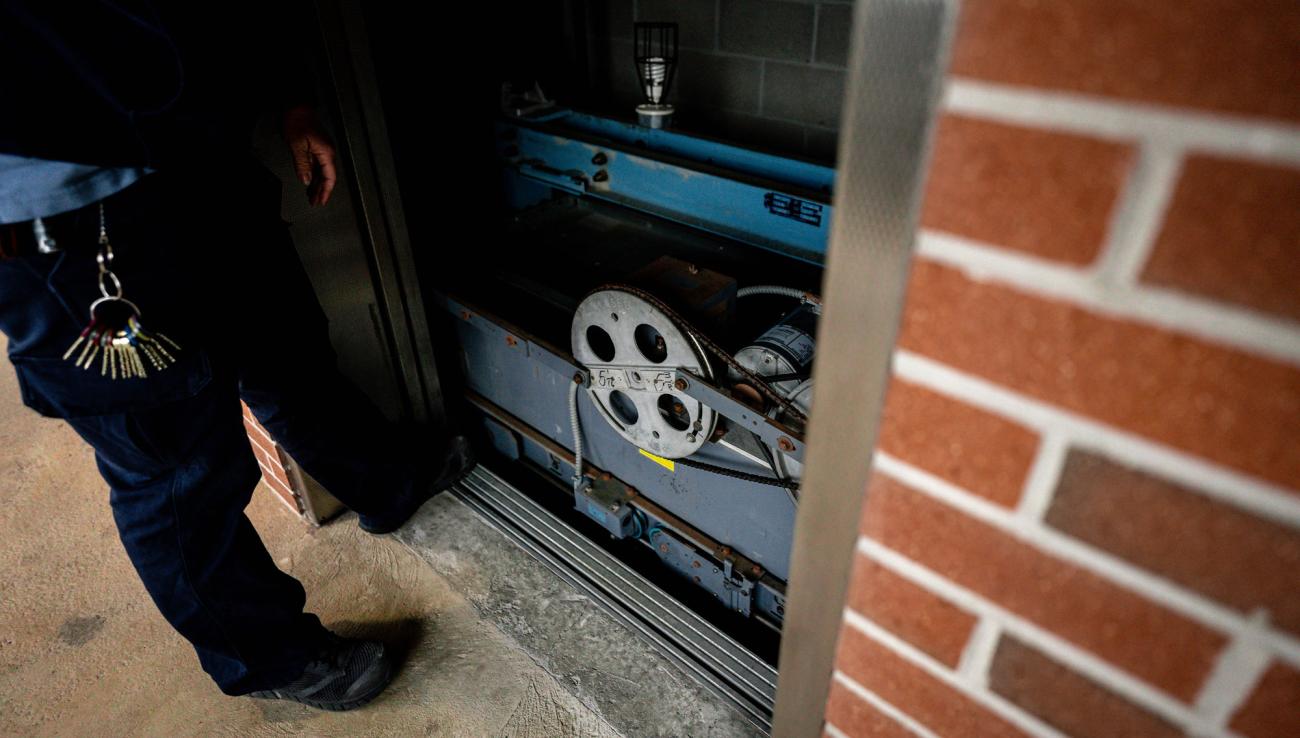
(144, 111)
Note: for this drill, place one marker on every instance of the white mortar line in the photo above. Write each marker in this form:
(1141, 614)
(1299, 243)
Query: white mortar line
(1136, 222)
(258, 427)
(833, 731)
(1218, 322)
(876, 701)
(1235, 674)
(1231, 487)
(1142, 583)
(1108, 118)
(1040, 483)
(988, 700)
(812, 53)
(977, 657)
(1077, 659)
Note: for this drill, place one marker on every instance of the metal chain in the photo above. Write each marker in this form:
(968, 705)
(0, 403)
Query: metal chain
(758, 382)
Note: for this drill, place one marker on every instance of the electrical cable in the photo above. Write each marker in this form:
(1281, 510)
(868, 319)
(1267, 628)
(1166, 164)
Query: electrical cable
(576, 425)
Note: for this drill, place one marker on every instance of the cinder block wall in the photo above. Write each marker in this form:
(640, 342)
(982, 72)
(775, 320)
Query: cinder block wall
(765, 73)
(1085, 512)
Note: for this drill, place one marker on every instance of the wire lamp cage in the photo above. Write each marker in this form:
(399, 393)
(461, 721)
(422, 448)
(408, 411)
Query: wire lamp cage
(655, 55)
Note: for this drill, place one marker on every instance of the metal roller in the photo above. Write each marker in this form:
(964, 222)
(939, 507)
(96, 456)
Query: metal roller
(632, 350)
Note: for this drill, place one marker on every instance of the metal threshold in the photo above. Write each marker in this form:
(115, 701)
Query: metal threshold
(714, 659)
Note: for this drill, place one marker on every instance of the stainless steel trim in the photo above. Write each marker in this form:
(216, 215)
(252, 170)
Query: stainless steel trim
(894, 78)
(718, 662)
(383, 221)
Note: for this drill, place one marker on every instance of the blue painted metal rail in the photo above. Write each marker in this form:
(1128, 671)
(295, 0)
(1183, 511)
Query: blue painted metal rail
(761, 199)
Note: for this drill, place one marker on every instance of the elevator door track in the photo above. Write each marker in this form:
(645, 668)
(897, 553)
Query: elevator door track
(716, 661)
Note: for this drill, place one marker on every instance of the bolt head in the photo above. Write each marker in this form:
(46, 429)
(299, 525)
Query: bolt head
(785, 444)
(680, 384)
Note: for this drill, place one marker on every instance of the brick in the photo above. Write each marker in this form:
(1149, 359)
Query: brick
(777, 30)
(857, 718)
(1229, 555)
(1231, 407)
(710, 81)
(697, 22)
(279, 488)
(622, 90)
(1060, 697)
(272, 468)
(822, 144)
(914, 691)
(611, 18)
(1273, 708)
(978, 451)
(834, 22)
(744, 129)
(257, 434)
(928, 622)
(1209, 54)
(1232, 233)
(1045, 193)
(1119, 625)
(803, 93)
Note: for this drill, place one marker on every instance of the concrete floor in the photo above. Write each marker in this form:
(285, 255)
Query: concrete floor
(84, 652)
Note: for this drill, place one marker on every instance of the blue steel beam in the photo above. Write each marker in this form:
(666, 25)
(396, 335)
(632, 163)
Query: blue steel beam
(768, 201)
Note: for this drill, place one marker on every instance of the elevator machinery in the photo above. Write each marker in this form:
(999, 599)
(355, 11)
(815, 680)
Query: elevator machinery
(641, 333)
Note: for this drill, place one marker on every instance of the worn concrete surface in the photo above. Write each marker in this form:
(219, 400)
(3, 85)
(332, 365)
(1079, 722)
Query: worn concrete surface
(83, 652)
(600, 661)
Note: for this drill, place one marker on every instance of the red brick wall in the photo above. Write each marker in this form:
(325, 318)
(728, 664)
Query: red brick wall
(272, 460)
(1085, 514)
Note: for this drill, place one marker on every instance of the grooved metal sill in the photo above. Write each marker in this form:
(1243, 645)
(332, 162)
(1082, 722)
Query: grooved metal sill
(716, 661)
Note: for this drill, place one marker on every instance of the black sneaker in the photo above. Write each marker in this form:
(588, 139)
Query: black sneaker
(458, 461)
(349, 674)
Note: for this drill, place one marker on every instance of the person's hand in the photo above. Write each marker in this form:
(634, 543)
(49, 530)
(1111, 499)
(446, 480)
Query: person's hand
(313, 153)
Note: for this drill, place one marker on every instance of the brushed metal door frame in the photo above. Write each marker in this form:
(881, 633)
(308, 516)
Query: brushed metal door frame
(369, 163)
(897, 60)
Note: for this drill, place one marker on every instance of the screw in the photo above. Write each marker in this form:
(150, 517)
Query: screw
(725, 551)
(659, 344)
(785, 444)
(697, 581)
(600, 176)
(577, 378)
(510, 341)
(695, 564)
(599, 159)
(680, 384)
(679, 408)
(663, 547)
(756, 570)
(464, 315)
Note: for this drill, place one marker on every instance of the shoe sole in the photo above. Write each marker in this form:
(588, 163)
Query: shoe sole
(470, 463)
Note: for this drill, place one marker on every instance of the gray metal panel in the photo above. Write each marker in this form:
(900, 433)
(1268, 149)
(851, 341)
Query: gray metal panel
(895, 74)
(755, 520)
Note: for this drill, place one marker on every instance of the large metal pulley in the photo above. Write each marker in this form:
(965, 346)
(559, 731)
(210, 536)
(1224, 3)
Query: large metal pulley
(633, 351)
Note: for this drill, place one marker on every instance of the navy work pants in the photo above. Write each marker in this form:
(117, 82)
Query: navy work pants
(210, 263)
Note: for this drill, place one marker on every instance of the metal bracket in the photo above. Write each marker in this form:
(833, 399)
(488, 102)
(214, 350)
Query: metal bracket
(735, 593)
(777, 435)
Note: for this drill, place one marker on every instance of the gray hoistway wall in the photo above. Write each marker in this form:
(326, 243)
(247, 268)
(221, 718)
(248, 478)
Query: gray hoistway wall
(764, 73)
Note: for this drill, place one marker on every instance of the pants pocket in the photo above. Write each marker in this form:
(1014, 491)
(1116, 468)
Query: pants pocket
(57, 388)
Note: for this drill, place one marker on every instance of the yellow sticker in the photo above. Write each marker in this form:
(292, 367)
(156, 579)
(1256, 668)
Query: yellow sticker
(661, 461)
